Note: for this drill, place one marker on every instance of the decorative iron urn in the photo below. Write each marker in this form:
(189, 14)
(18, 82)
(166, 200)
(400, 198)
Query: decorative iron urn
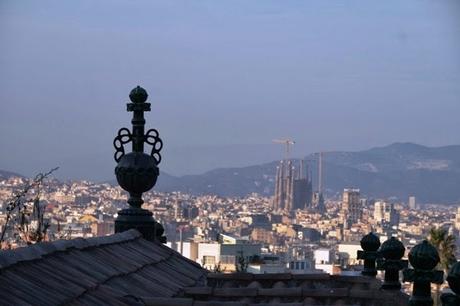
(423, 257)
(392, 251)
(137, 172)
(370, 243)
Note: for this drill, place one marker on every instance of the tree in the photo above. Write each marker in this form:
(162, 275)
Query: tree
(21, 211)
(445, 244)
(241, 262)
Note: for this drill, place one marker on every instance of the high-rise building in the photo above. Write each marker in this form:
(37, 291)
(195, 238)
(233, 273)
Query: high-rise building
(318, 198)
(278, 200)
(412, 203)
(385, 213)
(352, 209)
(318, 203)
(283, 188)
(378, 211)
(457, 219)
(292, 188)
(302, 189)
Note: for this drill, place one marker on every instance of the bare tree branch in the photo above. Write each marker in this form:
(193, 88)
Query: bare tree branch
(18, 204)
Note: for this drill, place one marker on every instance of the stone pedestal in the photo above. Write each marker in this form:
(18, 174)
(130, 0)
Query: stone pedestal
(141, 220)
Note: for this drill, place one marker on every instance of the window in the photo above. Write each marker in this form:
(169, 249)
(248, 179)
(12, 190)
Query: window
(209, 260)
(227, 259)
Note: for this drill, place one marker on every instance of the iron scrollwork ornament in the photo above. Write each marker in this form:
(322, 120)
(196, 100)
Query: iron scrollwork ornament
(124, 136)
(153, 139)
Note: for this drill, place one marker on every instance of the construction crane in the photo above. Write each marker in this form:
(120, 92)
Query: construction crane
(287, 142)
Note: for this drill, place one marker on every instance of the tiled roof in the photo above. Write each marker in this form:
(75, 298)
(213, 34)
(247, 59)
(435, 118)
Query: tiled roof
(94, 271)
(125, 269)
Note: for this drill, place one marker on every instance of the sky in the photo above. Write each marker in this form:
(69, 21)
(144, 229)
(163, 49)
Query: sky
(224, 78)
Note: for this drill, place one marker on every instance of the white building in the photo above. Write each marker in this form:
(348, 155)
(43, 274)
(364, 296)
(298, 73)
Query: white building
(324, 260)
(222, 254)
(457, 219)
(323, 256)
(412, 203)
(208, 255)
(348, 252)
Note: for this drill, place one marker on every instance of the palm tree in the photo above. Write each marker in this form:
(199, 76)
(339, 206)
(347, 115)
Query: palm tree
(445, 244)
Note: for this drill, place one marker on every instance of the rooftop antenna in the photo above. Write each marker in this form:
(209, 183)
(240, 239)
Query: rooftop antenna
(287, 142)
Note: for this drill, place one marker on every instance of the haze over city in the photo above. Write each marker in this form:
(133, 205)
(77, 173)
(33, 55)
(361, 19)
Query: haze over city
(253, 152)
(224, 79)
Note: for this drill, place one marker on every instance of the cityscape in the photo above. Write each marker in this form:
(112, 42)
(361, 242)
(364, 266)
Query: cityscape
(296, 230)
(230, 153)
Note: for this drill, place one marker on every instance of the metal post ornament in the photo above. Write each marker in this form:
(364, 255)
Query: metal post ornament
(392, 252)
(370, 244)
(137, 172)
(453, 278)
(423, 257)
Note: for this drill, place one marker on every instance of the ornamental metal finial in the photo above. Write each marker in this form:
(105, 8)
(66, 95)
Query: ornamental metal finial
(423, 257)
(453, 278)
(392, 251)
(137, 172)
(370, 243)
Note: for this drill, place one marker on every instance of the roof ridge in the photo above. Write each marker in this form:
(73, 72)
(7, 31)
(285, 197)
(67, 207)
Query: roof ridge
(39, 250)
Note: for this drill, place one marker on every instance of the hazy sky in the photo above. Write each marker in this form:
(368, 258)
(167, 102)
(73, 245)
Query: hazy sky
(224, 78)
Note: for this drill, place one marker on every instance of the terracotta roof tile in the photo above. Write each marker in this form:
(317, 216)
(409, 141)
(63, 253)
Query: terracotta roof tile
(90, 271)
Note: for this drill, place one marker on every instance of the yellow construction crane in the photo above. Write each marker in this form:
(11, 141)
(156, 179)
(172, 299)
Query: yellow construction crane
(287, 142)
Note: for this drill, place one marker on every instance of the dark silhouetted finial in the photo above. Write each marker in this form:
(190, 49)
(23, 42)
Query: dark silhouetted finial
(423, 257)
(137, 172)
(392, 251)
(449, 299)
(138, 95)
(370, 244)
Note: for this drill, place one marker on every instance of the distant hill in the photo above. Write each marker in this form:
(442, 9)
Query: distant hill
(7, 174)
(398, 170)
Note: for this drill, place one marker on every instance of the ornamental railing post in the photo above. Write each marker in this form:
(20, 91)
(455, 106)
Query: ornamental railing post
(453, 278)
(370, 243)
(392, 252)
(423, 257)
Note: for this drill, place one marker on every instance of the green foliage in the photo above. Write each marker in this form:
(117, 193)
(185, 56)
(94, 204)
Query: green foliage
(241, 262)
(445, 244)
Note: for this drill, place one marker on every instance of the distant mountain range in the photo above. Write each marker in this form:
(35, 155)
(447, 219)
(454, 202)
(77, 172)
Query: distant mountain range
(7, 174)
(398, 170)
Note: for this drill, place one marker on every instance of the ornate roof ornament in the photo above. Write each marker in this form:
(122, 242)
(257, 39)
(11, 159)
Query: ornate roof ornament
(137, 172)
